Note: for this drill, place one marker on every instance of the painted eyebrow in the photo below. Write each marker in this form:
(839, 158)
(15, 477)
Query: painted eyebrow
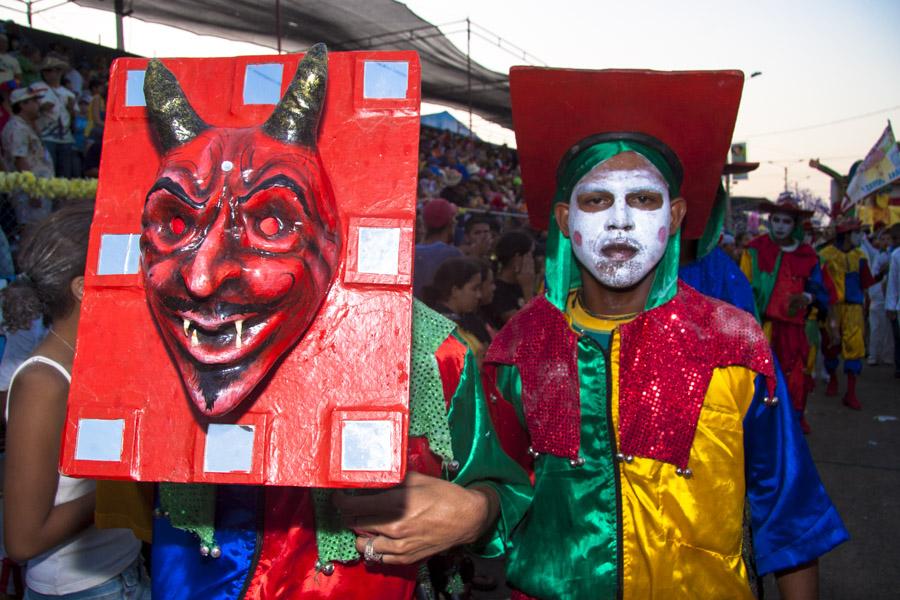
(644, 186)
(166, 183)
(278, 181)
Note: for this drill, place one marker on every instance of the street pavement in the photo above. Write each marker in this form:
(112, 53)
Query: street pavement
(858, 456)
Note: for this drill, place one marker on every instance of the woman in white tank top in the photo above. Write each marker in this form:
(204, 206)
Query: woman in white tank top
(48, 517)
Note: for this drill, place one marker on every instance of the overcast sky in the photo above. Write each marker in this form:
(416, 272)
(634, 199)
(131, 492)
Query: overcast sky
(822, 62)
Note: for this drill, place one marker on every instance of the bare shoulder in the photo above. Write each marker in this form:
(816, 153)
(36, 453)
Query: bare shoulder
(38, 384)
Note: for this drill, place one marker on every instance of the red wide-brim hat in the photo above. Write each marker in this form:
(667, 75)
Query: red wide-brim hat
(845, 225)
(786, 205)
(691, 112)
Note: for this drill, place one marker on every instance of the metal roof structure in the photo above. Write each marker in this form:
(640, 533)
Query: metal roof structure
(449, 76)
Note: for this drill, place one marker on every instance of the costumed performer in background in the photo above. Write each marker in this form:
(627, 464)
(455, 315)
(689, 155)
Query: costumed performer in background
(786, 279)
(848, 267)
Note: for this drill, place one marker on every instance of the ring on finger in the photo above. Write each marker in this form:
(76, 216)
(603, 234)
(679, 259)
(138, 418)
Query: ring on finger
(370, 555)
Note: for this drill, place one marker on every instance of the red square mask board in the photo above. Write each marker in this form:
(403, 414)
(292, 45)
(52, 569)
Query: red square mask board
(247, 307)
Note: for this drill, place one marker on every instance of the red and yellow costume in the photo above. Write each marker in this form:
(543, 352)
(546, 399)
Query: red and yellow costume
(778, 277)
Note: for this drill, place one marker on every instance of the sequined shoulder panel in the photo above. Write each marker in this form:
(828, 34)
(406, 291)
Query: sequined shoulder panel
(540, 343)
(667, 359)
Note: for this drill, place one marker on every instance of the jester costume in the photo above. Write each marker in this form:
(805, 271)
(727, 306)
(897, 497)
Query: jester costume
(779, 275)
(644, 434)
(285, 542)
(849, 272)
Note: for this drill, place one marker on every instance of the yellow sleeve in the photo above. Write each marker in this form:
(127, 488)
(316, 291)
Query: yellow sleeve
(126, 505)
(747, 265)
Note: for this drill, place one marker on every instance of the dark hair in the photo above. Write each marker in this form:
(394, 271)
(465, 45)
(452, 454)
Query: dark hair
(477, 220)
(511, 244)
(453, 272)
(52, 254)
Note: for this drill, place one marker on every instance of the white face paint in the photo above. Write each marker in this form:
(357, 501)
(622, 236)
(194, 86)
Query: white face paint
(782, 225)
(614, 235)
(855, 238)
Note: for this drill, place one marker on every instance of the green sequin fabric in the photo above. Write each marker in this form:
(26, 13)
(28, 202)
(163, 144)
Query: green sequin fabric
(191, 507)
(335, 544)
(427, 409)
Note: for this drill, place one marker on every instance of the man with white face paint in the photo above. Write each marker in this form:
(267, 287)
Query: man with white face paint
(619, 221)
(786, 278)
(644, 412)
(848, 267)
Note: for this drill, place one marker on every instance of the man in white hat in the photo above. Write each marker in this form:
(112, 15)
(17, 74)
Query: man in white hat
(24, 151)
(55, 122)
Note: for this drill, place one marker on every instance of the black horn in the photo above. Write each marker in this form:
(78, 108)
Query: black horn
(171, 115)
(296, 118)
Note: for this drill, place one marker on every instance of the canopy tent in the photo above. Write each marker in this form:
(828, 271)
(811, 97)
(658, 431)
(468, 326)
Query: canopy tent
(447, 122)
(448, 75)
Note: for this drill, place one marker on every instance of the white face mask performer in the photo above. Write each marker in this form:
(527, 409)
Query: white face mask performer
(619, 219)
(782, 226)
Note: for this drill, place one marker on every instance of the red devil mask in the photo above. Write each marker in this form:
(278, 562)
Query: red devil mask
(240, 236)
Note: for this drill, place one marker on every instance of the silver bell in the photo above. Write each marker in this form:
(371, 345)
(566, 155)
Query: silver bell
(576, 462)
(325, 568)
(215, 552)
(532, 452)
(204, 550)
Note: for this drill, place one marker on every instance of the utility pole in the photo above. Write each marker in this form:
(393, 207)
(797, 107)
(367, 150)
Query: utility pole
(785, 179)
(119, 7)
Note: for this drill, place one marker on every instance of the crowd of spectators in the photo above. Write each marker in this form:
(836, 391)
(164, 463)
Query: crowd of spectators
(52, 109)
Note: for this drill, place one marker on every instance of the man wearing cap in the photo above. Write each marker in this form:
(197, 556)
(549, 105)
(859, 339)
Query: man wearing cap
(439, 217)
(55, 122)
(786, 278)
(644, 412)
(848, 267)
(24, 151)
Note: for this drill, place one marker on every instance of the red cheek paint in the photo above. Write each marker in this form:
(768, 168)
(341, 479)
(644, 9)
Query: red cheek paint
(577, 238)
(662, 234)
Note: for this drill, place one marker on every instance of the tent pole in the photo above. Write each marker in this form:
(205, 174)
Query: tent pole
(469, 69)
(278, 24)
(28, 11)
(119, 7)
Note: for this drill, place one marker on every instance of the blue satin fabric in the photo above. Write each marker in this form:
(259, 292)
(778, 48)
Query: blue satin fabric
(717, 275)
(181, 573)
(853, 292)
(792, 518)
(815, 285)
